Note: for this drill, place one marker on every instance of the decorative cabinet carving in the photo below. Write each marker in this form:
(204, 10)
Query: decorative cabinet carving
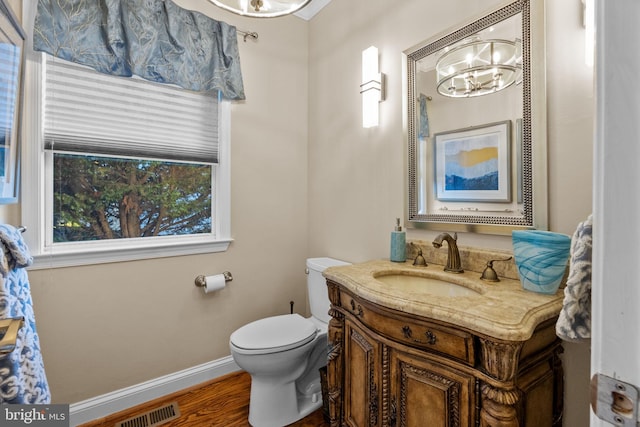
(390, 369)
(424, 392)
(364, 374)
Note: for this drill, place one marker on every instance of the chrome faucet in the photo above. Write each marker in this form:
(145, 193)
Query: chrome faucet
(453, 259)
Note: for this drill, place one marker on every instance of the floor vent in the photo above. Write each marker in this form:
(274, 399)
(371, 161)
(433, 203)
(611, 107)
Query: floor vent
(153, 418)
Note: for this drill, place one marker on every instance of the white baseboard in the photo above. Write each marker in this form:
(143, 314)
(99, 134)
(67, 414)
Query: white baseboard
(119, 400)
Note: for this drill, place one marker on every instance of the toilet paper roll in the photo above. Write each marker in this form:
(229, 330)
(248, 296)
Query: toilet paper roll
(214, 283)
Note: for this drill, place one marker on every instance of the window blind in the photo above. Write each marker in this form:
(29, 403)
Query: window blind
(90, 112)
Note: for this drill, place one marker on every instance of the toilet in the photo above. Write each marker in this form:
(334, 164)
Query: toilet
(283, 355)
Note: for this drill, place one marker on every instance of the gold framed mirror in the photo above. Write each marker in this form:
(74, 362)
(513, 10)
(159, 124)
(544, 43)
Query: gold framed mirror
(475, 124)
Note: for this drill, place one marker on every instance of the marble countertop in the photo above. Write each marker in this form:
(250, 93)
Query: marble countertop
(502, 310)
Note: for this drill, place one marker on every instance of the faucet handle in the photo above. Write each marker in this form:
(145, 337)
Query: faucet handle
(420, 261)
(489, 274)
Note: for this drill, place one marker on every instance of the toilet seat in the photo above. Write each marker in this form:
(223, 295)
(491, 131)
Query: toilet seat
(273, 334)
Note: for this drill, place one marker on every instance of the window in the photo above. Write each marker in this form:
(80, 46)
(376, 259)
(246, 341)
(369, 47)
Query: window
(122, 168)
(103, 198)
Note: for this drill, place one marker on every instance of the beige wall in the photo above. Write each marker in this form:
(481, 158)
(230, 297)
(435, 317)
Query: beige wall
(307, 180)
(356, 175)
(109, 326)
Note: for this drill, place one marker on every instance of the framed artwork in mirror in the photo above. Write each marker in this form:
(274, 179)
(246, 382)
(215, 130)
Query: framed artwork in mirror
(12, 39)
(474, 164)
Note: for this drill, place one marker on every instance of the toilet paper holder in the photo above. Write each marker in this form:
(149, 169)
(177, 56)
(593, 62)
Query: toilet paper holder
(201, 280)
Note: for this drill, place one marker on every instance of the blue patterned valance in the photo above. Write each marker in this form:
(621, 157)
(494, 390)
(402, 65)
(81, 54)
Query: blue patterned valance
(153, 39)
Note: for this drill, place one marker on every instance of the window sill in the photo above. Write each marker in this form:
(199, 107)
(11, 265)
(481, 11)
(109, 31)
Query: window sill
(85, 255)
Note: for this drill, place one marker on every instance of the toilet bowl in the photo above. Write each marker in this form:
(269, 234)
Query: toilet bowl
(283, 355)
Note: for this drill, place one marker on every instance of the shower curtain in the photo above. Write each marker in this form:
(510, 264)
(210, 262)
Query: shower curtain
(22, 375)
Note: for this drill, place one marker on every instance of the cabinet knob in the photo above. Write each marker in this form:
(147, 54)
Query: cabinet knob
(356, 309)
(431, 337)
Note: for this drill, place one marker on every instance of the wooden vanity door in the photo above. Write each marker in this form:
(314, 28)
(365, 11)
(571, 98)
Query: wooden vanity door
(427, 393)
(362, 377)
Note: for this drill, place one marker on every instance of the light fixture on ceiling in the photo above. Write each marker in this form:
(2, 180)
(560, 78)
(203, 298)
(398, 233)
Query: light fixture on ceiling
(479, 67)
(261, 8)
(372, 87)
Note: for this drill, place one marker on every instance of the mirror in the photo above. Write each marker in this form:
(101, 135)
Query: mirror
(12, 39)
(476, 131)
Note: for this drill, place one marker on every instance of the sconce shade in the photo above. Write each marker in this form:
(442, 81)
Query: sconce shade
(261, 8)
(479, 67)
(372, 87)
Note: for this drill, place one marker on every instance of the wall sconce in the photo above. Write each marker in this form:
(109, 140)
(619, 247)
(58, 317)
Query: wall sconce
(372, 87)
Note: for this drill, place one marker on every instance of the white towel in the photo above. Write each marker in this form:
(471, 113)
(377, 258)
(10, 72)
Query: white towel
(574, 322)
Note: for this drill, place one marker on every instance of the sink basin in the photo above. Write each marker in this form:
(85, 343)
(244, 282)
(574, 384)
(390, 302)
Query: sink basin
(428, 285)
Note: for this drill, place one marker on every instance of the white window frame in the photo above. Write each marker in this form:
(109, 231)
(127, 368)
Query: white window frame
(35, 193)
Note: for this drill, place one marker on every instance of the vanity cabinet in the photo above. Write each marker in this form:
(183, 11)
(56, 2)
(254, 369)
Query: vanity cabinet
(387, 368)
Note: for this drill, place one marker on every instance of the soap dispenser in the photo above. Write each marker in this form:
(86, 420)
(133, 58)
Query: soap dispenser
(398, 244)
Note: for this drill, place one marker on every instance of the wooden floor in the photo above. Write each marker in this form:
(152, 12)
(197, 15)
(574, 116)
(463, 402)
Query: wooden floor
(223, 402)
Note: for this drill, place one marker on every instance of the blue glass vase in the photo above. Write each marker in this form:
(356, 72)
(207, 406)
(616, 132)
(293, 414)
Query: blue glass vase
(541, 258)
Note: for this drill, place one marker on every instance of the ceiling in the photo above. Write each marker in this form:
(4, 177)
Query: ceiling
(310, 10)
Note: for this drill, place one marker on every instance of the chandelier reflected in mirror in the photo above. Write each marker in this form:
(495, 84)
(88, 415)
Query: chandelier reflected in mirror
(261, 8)
(479, 67)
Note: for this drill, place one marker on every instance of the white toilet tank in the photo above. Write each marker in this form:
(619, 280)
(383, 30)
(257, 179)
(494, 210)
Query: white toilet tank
(317, 287)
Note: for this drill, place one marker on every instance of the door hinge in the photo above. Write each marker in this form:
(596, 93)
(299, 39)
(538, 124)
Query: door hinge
(614, 401)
